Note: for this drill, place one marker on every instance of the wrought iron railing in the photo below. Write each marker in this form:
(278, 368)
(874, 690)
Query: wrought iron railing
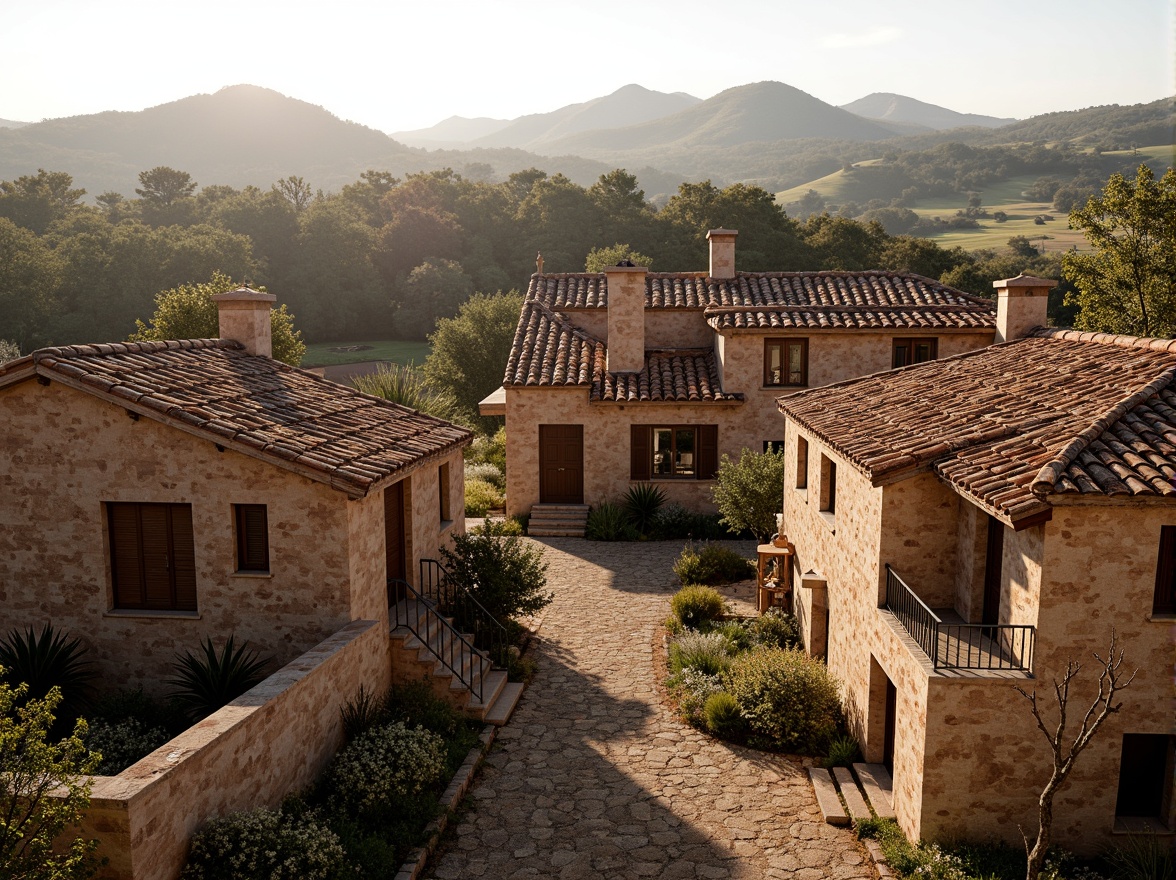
(455, 600)
(959, 645)
(413, 610)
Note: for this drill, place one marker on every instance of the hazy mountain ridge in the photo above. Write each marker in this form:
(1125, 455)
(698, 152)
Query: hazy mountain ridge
(889, 107)
(451, 132)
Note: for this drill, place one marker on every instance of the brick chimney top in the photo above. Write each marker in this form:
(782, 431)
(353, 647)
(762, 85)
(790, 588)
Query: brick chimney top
(722, 252)
(245, 317)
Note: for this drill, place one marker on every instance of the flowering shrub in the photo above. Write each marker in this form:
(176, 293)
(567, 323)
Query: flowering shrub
(481, 497)
(704, 652)
(266, 845)
(487, 473)
(122, 743)
(790, 701)
(383, 765)
(692, 688)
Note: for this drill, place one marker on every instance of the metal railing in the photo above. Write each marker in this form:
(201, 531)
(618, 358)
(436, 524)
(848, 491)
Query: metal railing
(413, 610)
(959, 645)
(455, 600)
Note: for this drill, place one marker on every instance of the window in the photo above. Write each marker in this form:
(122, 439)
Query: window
(786, 362)
(773, 446)
(252, 524)
(152, 556)
(1145, 777)
(674, 451)
(443, 491)
(915, 350)
(828, 485)
(801, 463)
(1164, 600)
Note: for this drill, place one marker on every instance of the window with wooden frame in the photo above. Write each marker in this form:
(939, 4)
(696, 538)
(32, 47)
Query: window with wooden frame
(786, 363)
(152, 556)
(443, 491)
(828, 485)
(915, 350)
(801, 463)
(774, 446)
(1164, 598)
(660, 452)
(251, 522)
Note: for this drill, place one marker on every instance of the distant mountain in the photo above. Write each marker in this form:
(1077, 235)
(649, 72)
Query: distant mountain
(628, 105)
(9, 123)
(451, 132)
(901, 109)
(758, 113)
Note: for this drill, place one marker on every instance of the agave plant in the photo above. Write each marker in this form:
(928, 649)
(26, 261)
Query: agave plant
(204, 684)
(642, 502)
(406, 386)
(47, 660)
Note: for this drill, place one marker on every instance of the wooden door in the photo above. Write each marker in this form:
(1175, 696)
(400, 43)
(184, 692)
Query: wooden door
(888, 731)
(561, 464)
(394, 551)
(993, 574)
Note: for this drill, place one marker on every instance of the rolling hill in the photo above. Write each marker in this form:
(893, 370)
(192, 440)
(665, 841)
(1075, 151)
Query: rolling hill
(888, 107)
(10, 123)
(451, 132)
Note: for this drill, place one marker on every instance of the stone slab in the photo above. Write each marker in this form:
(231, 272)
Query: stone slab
(854, 802)
(827, 799)
(876, 783)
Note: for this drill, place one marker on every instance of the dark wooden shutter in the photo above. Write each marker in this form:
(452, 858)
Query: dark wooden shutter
(1164, 601)
(252, 538)
(640, 452)
(708, 451)
(126, 554)
(183, 558)
(153, 556)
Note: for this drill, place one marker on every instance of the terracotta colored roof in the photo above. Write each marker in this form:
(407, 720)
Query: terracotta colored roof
(255, 405)
(550, 351)
(1060, 412)
(770, 300)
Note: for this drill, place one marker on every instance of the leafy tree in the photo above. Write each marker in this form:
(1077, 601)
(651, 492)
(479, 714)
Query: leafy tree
(470, 351)
(29, 276)
(296, 191)
(839, 243)
(1128, 284)
(9, 351)
(189, 312)
(36, 201)
(601, 258)
(167, 195)
(43, 791)
(506, 574)
(433, 290)
(750, 492)
(113, 205)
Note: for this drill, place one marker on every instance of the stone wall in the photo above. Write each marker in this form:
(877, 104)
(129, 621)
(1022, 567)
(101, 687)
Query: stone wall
(275, 739)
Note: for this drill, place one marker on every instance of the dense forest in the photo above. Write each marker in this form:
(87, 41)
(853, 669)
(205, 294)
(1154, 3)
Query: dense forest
(386, 257)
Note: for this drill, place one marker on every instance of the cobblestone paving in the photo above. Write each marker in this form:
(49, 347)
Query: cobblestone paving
(595, 777)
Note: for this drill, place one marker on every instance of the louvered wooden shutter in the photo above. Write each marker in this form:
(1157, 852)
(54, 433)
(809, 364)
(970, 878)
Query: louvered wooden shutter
(126, 554)
(708, 451)
(640, 452)
(252, 538)
(183, 558)
(152, 555)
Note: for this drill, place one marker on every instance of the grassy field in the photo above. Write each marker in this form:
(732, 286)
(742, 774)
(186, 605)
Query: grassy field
(329, 354)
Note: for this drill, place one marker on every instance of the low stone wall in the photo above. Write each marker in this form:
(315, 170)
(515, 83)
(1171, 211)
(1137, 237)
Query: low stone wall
(273, 740)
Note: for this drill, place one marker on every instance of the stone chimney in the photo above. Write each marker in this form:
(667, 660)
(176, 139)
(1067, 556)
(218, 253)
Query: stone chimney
(626, 318)
(722, 252)
(245, 318)
(1021, 305)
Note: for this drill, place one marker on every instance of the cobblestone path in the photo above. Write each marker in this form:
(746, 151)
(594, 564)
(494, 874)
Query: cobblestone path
(595, 778)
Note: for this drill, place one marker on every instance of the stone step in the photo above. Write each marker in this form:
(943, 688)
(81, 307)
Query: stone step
(493, 684)
(827, 799)
(879, 788)
(543, 508)
(558, 520)
(503, 707)
(855, 804)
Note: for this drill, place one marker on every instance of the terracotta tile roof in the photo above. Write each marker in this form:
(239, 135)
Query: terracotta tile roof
(255, 405)
(1060, 412)
(550, 351)
(770, 300)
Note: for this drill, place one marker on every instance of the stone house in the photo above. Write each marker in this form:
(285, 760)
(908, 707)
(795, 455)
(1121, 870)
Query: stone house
(627, 375)
(971, 524)
(153, 494)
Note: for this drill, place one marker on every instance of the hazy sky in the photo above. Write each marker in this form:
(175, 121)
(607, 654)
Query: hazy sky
(403, 65)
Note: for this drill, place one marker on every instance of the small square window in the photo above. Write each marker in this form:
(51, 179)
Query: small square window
(915, 350)
(786, 363)
(774, 446)
(252, 524)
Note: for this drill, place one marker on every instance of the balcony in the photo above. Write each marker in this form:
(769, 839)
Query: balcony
(952, 645)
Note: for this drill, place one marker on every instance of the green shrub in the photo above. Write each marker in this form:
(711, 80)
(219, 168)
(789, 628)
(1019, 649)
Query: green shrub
(280, 844)
(790, 701)
(711, 564)
(123, 743)
(748, 492)
(705, 652)
(775, 628)
(499, 528)
(735, 633)
(385, 765)
(44, 661)
(132, 704)
(481, 497)
(362, 714)
(406, 385)
(609, 522)
(641, 505)
(692, 689)
(507, 575)
(843, 751)
(722, 716)
(489, 450)
(204, 684)
(1141, 856)
(697, 605)
(479, 470)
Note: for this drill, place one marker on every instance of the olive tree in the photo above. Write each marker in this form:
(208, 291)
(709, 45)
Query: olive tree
(750, 492)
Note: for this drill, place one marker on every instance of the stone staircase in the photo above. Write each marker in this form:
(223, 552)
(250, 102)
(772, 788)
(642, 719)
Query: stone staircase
(427, 642)
(558, 520)
(869, 794)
